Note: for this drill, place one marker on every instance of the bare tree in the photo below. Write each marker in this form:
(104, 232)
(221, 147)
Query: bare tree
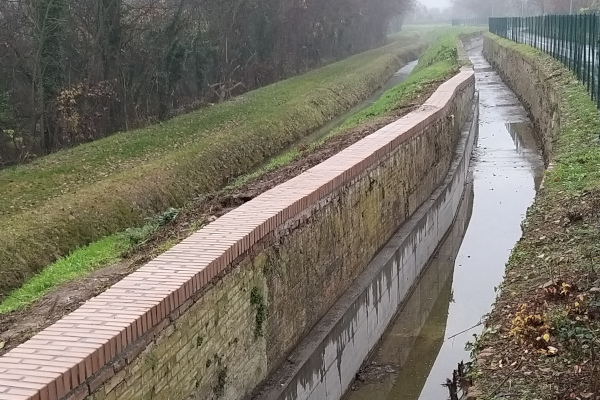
(75, 71)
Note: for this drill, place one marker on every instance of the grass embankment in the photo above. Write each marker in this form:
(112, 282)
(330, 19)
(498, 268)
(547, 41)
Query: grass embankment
(437, 64)
(542, 339)
(68, 199)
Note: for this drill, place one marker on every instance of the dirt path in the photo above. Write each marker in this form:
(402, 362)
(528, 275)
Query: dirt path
(17, 327)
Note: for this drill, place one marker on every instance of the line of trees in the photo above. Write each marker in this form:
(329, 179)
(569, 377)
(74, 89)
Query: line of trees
(72, 71)
(495, 8)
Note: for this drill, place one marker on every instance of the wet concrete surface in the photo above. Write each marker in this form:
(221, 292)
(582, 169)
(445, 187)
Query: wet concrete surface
(417, 334)
(416, 355)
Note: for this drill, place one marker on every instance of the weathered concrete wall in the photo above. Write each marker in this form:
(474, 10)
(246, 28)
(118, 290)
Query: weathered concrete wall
(326, 362)
(215, 315)
(531, 84)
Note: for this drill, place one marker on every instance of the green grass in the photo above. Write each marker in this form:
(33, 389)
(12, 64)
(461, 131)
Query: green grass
(439, 62)
(578, 154)
(83, 261)
(69, 199)
(432, 33)
(80, 263)
(276, 162)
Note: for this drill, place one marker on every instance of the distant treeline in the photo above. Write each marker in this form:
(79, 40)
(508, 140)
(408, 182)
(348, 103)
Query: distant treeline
(73, 71)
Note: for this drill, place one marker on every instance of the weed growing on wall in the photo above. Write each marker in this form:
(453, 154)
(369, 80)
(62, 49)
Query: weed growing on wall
(258, 301)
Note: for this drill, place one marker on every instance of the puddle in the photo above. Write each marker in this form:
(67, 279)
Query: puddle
(427, 339)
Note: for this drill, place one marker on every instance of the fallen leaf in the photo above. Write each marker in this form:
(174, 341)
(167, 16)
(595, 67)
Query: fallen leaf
(587, 395)
(552, 351)
(2, 344)
(546, 337)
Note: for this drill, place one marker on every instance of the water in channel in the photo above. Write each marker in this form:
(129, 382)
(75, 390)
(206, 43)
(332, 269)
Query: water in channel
(424, 342)
(396, 79)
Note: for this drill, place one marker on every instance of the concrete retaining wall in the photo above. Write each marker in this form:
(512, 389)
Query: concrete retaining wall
(326, 362)
(214, 316)
(532, 83)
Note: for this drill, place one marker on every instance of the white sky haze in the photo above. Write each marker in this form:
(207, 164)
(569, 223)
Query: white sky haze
(435, 3)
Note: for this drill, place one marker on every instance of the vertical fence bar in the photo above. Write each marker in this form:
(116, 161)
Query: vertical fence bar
(588, 57)
(580, 49)
(547, 33)
(534, 32)
(563, 35)
(571, 47)
(593, 55)
(544, 37)
(555, 33)
(580, 54)
(531, 31)
(558, 37)
(597, 60)
(521, 31)
(568, 43)
(565, 41)
(578, 46)
(536, 24)
(573, 35)
(586, 43)
(574, 44)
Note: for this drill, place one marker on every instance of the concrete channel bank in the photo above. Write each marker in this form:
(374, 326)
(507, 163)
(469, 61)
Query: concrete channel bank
(326, 362)
(217, 314)
(533, 86)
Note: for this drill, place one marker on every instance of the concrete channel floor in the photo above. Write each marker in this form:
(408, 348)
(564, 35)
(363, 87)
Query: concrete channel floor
(424, 344)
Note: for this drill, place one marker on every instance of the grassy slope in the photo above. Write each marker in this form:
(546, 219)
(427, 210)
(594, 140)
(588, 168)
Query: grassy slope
(438, 63)
(560, 243)
(70, 198)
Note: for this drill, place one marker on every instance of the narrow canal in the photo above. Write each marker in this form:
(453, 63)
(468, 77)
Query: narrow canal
(427, 339)
(396, 79)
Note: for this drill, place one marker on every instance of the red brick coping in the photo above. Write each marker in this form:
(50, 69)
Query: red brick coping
(68, 357)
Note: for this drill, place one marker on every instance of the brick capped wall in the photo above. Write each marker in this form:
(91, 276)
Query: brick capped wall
(212, 317)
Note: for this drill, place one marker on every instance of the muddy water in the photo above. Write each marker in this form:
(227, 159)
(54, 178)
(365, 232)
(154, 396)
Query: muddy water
(424, 343)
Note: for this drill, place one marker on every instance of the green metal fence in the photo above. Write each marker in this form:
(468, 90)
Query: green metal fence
(571, 39)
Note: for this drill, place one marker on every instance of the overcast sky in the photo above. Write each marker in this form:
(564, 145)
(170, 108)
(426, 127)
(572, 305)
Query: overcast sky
(435, 3)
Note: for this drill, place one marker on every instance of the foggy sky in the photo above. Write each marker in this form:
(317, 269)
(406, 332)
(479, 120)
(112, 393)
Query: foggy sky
(435, 3)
